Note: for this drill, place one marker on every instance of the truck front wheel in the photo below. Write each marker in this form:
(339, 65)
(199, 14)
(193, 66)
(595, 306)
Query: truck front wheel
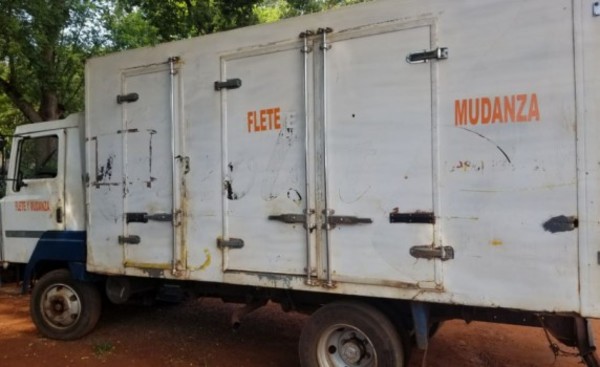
(350, 334)
(63, 308)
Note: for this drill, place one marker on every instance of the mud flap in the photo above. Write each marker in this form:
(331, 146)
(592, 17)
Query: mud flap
(585, 342)
(574, 332)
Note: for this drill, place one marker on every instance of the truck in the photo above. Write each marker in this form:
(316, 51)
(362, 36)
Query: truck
(383, 167)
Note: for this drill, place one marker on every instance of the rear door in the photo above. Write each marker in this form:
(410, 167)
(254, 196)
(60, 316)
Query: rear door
(379, 163)
(265, 179)
(149, 200)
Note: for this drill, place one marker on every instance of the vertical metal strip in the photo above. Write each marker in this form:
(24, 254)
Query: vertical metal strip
(224, 168)
(438, 265)
(307, 211)
(124, 159)
(325, 47)
(172, 72)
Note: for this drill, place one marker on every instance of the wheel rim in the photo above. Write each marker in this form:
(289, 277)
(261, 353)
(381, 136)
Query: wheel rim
(61, 306)
(345, 346)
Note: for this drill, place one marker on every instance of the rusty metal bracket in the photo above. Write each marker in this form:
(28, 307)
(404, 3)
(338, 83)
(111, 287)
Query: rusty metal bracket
(334, 220)
(235, 243)
(289, 218)
(430, 253)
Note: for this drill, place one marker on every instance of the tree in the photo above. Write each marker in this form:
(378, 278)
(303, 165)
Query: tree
(178, 19)
(271, 10)
(43, 46)
(128, 28)
(44, 43)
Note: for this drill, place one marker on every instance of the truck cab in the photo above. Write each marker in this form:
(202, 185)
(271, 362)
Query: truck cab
(44, 197)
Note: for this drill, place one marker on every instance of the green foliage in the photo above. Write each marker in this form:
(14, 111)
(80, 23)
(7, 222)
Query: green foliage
(291, 8)
(44, 43)
(100, 349)
(269, 11)
(178, 19)
(43, 46)
(128, 29)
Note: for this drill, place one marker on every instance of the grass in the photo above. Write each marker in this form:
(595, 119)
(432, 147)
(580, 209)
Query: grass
(102, 348)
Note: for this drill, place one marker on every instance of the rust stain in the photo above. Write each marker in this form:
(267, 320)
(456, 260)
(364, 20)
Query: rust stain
(468, 166)
(496, 242)
(208, 260)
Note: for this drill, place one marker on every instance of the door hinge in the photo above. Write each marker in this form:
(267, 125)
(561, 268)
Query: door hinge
(596, 9)
(429, 252)
(228, 84)
(440, 53)
(235, 243)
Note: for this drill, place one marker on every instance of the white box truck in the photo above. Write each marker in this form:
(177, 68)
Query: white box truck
(385, 166)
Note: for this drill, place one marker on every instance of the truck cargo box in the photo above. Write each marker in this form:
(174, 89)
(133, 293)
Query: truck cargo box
(400, 162)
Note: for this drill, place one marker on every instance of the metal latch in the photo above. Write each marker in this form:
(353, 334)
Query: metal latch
(228, 84)
(289, 218)
(440, 53)
(429, 252)
(235, 243)
(334, 220)
(131, 97)
(145, 217)
(596, 9)
(129, 240)
(416, 217)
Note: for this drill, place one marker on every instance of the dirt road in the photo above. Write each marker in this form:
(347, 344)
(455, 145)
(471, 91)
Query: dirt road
(198, 334)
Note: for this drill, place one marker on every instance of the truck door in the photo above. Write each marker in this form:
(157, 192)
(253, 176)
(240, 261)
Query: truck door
(34, 201)
(264, 161)
(150, 197)
(378, 166)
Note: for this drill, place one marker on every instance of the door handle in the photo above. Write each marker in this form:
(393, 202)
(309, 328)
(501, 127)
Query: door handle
(59, 215)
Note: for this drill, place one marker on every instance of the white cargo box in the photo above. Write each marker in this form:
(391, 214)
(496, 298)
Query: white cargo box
(427, 150)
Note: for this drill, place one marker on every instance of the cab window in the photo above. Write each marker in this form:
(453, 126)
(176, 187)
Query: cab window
(38, 158)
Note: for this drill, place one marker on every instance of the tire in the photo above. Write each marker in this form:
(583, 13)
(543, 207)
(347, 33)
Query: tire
(350, 334)
(62, 308)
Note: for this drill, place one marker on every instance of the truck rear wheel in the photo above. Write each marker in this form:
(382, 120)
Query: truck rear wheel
(62, 308)
(350, 334)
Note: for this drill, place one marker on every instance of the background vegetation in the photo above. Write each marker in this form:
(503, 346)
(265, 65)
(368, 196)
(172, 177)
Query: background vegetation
(44, 43)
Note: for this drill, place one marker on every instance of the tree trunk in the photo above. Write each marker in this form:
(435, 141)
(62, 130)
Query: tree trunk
(17, 98)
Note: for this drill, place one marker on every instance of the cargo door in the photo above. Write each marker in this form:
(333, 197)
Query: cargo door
(34, 201)
(377, 174)
(150, 201)
(264, 161)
